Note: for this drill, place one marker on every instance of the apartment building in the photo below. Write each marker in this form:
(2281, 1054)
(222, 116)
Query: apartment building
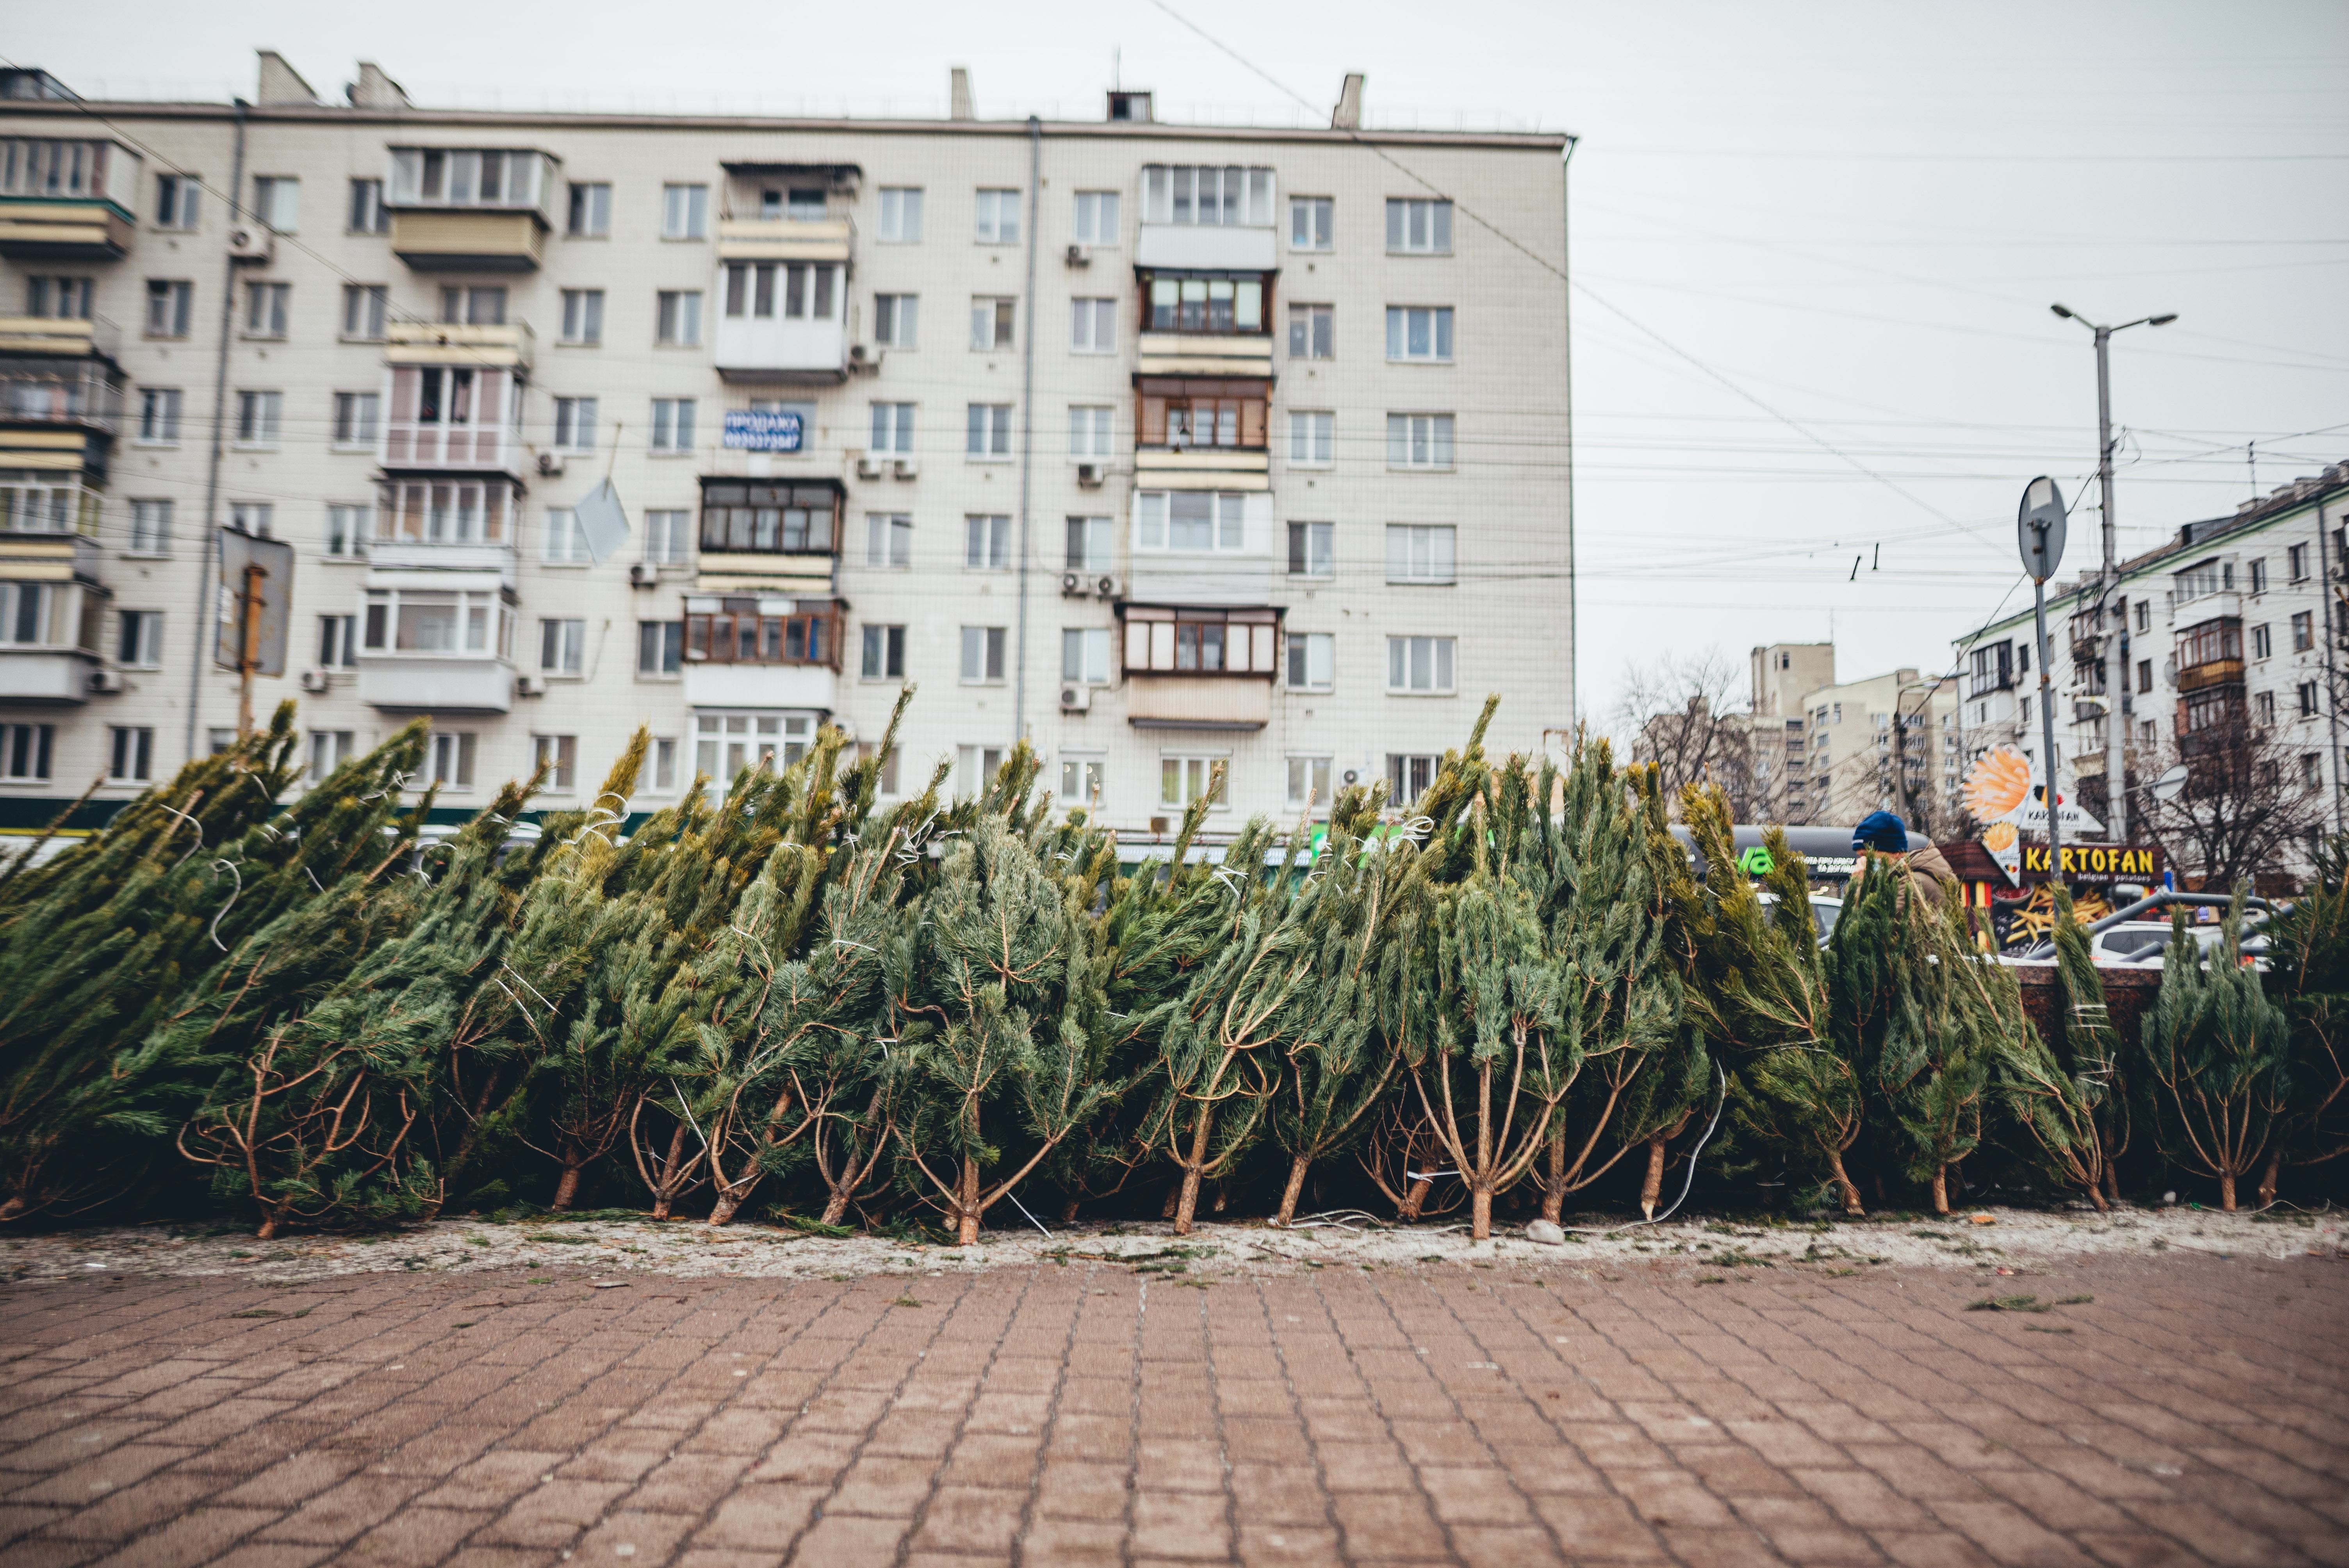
(1779, 717)
(1889, 743)
(1209, 461)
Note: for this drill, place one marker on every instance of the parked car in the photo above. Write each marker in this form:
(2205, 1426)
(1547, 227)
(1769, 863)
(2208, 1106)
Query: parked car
(2140, 944)
(1826, 910)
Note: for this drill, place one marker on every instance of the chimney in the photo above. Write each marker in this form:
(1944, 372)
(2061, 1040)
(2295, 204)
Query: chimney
(376, 91)
(281, 83)
(958, 96)
(1348, 115)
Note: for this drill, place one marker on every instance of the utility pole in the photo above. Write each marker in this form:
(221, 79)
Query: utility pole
(248, 645)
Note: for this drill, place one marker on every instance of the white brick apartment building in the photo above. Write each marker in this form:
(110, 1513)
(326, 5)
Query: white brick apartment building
(1184, 452)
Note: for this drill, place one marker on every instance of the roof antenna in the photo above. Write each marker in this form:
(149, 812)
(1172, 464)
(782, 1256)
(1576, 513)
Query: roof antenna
(2252, 451)
(1116, 68)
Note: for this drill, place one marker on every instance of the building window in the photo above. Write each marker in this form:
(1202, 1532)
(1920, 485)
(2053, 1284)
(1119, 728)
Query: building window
(257, 518)
(133, 756)
(473, 177)
(668, 536)
(2144, 675)
(2307, 699)
(1182, 780)
(168, 304)
(724, 744)
(1313, 435)
(1420, 663)
(355, 417)
(473, 304)
(1093, 327)
(1312, 332)
(362, 311)
(660, 647)
(896, 320)
(1089, 427)
(744, 631)
(1181, 415)
(992, 318)
(367, 215)
(575, 424)
(2260, 575)
(1421, 552)
(901, 215)
(998, 217)
(582, 317)
(329, 750)
(2208, 577)
(990, 430)
(658, 774)
(1410, 777)
(888, 779)
(808, 290)
(57, 299)
(1419, 227)
(1081, 779)
(217, 741)
(884, 654)
(672, 424)
(685, 212)
(337, 642)
(1085, 655)
(1311, 222)
(893, 428)
(175, 200)
(1213, 303)
(151, 527)
(1192, 520)
(159, 414)
(1313, 660)
(2304, 631)
(888, 540)
(1092, 545)
(26, 610)
(558, 757)
(1419, 333)
(138, 638)
(2295, 559)
(277, 202)
(2264, 706)
(566, 540)
(986, 542)
(449, 758)
(421, 620)
(771, 519)
(264, 309)
(1096, 221)
(1419, 440)
(348, 524)
(2144, 615)
(25, 750)
(562, 646)
(1309, 784)
(1209, 195)
(982, 655)
(976, 765)
(679, 318)
(590, 210)
(1312, 548)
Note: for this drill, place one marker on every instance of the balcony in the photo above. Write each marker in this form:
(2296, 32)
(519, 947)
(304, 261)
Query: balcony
(2227, 605)
(2210, 652)
(2211, 672)
(393, 558)
(510, 345)
(760, 652)
(775, 539)
(84, 393)
(436, 685)
(51, 604)
(67, 200)
(1200, 668)
(1201, 546)
(784, 321)
(1203, 247)
(785, 239)
(1187, 354)
(45, 677)
(469, 209)
(436, 641)
(451, 415)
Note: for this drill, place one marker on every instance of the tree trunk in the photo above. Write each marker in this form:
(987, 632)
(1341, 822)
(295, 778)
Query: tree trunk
(1289, 1194)
(1843, 1183)
(2112, 1182)
(2096, 1198)
(663, 1195)
(1480, 1213)
(1651, 1187)
(1186, 1207)
(1415, 1199)
(966, 1205)
(1174, 1196)
(1554, 1188)
(2268, 1178)
(1940, 1189)
(2227, 1191)
(728, 1202)
(1069, 1212)
(836, 1206)
(566, 1188)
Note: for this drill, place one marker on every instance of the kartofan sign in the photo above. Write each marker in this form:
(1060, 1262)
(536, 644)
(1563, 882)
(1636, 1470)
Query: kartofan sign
(2006, 793)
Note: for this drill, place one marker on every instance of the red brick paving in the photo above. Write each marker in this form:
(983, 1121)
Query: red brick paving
(2194, 1414)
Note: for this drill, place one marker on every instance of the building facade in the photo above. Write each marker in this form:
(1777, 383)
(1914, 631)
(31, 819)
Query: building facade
(1784, 675)
(1207, 460)
(1889, 743)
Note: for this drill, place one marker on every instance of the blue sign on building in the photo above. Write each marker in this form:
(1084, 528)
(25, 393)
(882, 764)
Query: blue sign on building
(764, 432)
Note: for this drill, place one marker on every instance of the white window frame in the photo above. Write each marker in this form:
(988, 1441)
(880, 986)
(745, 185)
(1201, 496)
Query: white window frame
(685, 212)
(1096, 219)
(1311, 662)
(1311, 562)
(1090, 544)
(130, 753)
(674, 419)
(1312, 331)
(987, 542)
(669, 536)
(984, 659)
(660, 650)
(880, 644)
(1087, 653)
(151, 527)
(975, 766)
(158, 415)
(277, 202)
(328, 749)
(449, 758)
(358, 418)
(1085, 779)
(1434, 320)
(176, 196)
(996, 216)
(897, 320)
(1172, 193)
(587, 210)
(1093, 325)
(583, 318)
(260, 417)
(349, 525)
(575, 424)
(1406, 656)
(1304, 791)
(363, 307)
(559, 755)
(889, 541)
(676, 318)
(168, 311)
(1226, 522)
(987, 433)
(1419, 226)
(481, 623)
(257, 518)
(1312, 223)
(565, 543)
(1184, 776)
(994, 323)
(138, 639)
(893, 428)
(1422, 442)
(1092, 428)
(1423, 553)
(562, 646)
(901, 215)
(338, 642)
(1312, 437)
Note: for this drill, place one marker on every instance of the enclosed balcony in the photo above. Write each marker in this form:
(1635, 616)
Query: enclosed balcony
(474, 209)
(436, 641)
(51, 608)
(1210, 216)
(1203, 546)
(1200, 668)
(1198, 322)
(2211, 654)
(760, 538)
(456, 400)
(784, 321)
(82, 393)
(761, 652)
(67, 200)
(1201, 434)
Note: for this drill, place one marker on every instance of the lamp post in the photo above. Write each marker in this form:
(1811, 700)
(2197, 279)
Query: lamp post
(2117, 706)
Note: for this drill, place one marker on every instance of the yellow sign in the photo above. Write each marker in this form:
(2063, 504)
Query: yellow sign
(2095, 860)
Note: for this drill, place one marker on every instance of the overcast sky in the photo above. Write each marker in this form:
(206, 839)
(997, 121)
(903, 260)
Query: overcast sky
(1816, 241)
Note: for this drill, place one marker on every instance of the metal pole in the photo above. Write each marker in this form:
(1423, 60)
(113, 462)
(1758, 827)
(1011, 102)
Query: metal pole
(248, 645)
(2047, 723)
(2116, 702)
(1027, 427)
(1573, 603)
(207, 591)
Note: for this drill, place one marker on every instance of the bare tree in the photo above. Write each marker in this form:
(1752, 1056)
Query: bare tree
(2249, 808)
(1688, 717)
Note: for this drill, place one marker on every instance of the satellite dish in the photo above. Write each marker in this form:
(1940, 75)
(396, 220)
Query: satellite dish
(2039, 528)
(2170, 785)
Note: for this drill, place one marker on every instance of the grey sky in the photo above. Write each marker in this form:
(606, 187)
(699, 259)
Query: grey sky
(1855, 214)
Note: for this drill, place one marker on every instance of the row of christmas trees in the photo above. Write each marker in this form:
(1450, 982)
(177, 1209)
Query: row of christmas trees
(797, 997)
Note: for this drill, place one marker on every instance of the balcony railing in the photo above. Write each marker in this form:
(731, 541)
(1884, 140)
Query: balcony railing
(82, 392)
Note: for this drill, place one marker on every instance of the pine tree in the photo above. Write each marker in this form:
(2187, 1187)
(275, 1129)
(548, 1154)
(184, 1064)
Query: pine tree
(1921, 1016)
(2310, 943)
(2057, 1102)
(2215, 1058)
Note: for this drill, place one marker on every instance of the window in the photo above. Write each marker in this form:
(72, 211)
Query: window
(660, 647)
(1312, 332)
(558, 755)
(1309, 783)
(2209, 643)
(329, 750)
(672, 424)
(1092, 545)
(168, 304)
(771, 519)
(449, 758)
(1182, 414)
(367, 215)
(888, 780)
(992, 320)
(2295, 559)
(724, 744)
(159, 414)
(1420, 663)
(1419, 227)
(1312, 660)
(1093, 327)
(363, 310)
(133, 756)
(138, 638)
(1312, 548)
(1081, 779)
(2304, 631)
(473, 177)
(975, 766)
(348, 526)
(566, 540)
(25, 750)
(808, 290)
(337, 642)
(659, 772)
(884, 654)
(435, 621)
(2144, 615)
(2206, 578)
(218, 740)
(1230, 197)
(2260, 575)
(901, 215)
(590, 210)
(1419, 440)
(1311, 224)
(668, 536)
(151, 527)
(175, 200)
(990, 433)
(1096, 218)
(2264, 706)
(27, 613)
(473, 304)
(1192, 520)
(896, 320)
(1218, 302)
(986, 542)
(685, 212)
(999, 218)
(277, 202)
(2311, 771)
(888, 540)
(892, 426)
(582, 317)
(2144, 675)
(257, 417)
(59, 299)
(562, 646)
(1089, 431)
(1182, 780)
(982, 654)
(355, 417)
(2307, 698)
(264, 309)
(575, 424)
(679, 318)
(1419, 333)
(1311, 434)
(1085, 655)
(1410, 777)
(1421, 552)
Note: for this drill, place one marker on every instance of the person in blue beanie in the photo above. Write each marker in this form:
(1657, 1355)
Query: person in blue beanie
(1882, 834)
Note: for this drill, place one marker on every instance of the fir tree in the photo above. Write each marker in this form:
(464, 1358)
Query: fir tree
(2058, 1104)
(2215, 1058)
(1921, 1013)
(2310, 943)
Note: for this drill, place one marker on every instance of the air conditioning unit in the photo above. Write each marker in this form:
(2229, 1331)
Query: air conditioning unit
(531, 685)
(1076, 699)
(1105, 587)
(1090, 475)
(907, 469)
(549, 464)
(314, 681)
(1074, 584)
(1081, 255)
(250, 243)
(642, 575)
(859, 355)
(106, 680)
(870, 468)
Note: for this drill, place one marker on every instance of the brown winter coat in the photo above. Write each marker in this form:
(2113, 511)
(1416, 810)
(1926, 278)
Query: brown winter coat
(1928, 869)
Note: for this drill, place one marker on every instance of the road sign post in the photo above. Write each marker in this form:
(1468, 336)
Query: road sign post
(2039, 531)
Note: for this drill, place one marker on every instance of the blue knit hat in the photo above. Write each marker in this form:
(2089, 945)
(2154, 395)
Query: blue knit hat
(1880, 830)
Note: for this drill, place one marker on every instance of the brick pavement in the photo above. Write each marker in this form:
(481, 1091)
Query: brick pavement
(1082, 1414)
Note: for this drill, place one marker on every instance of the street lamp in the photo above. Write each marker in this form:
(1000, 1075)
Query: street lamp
(2116, 692)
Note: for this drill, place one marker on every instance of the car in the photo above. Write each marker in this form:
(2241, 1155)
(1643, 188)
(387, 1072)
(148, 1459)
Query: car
(2141, 944)
(1826, 910)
